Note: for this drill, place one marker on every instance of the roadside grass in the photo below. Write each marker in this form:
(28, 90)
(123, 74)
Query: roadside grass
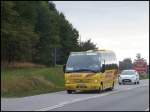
(27, 81)
(19, 82)
(144, 76)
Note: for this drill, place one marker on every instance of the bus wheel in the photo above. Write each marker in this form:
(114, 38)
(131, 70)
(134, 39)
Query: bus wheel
(69, 91)
(112, 86)
(102, 89)
(99, 90)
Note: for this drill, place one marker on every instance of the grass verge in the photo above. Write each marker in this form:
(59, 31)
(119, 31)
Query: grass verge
(146, 76)
(19, 82)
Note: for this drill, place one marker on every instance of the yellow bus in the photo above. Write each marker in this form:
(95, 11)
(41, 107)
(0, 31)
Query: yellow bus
(90, 70)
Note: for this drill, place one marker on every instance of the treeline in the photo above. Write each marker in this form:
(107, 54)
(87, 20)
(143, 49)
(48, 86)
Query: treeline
(125, 64)
(34, 31)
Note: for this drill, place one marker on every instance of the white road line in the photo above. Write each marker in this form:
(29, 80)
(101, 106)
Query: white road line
(82, 99)
(53, 107)
(129, 88)
(73, 101)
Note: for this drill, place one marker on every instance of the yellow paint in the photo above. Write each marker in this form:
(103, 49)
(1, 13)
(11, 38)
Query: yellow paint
(92, 81)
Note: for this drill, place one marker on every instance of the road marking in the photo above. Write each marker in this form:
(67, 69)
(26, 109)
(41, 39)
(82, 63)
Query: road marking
(75, 100)
(82, 99)
(72, 101)
(129, 88)
(53, 107)
(147, 109)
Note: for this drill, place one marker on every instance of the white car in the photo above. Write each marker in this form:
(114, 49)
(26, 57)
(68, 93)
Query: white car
(129, 76)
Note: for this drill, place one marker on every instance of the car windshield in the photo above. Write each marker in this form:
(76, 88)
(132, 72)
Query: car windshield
(83, 62)
(128, 72)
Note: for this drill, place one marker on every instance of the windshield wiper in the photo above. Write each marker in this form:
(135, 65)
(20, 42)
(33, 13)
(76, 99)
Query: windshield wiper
(81, 70)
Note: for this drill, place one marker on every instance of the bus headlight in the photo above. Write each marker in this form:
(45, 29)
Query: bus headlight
(67, 81)
(95, 81)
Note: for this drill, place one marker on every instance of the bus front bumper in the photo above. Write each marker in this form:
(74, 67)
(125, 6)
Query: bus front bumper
(84, 86)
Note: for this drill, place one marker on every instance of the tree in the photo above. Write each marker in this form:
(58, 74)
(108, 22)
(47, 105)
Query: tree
(33, 30)
(125, 64)
(52, 6)
(17, 31)
(68, 39)
(47, 29)
(87, 45)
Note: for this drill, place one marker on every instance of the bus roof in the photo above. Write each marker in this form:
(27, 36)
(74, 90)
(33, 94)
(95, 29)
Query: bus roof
(93, 51)
(99, 50)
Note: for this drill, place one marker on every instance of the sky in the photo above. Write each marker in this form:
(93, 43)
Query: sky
(121, 26)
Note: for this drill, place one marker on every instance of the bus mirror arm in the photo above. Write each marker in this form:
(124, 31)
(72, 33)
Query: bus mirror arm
(103, 68)
(64, 67)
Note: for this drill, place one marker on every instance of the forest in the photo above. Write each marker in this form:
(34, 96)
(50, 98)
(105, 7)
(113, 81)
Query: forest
(36, 32)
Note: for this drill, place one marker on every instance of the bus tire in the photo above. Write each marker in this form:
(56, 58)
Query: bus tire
(112, 87)
(102, 89)
(99, 90)
(69, 91)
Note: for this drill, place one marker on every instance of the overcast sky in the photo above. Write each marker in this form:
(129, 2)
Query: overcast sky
(121, 26)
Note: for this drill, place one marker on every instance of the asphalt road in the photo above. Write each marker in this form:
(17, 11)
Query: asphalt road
(123, 98)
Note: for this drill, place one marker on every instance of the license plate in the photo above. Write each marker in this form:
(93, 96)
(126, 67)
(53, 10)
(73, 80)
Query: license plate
(81, 86)
(126, 80)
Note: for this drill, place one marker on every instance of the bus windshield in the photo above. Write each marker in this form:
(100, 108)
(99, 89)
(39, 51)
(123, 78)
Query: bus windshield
(83, 62)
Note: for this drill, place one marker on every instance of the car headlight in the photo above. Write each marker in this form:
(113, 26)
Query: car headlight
(133, 77)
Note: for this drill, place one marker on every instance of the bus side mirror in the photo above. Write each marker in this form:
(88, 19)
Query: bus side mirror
(64, 67)
(103, 68)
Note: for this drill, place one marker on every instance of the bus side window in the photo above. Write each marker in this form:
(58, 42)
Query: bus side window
(115, 66)
(111, 66)
(108, 67)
